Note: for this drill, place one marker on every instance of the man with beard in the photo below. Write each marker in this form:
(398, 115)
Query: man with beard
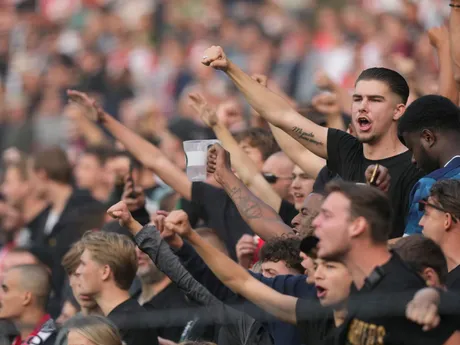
(430, 128)
(379, 101)
(158, 292)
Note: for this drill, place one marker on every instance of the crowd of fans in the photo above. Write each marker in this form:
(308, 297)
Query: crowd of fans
(331, 209)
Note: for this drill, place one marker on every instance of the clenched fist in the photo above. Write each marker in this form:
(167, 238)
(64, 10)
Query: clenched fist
(215, 57)
(121, 213)
(177, 221)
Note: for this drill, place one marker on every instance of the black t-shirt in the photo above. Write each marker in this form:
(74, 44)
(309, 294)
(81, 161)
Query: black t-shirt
(325, 175)
(346, 157)
(386, 293)
(219, 213)
(453, 279)
(129, 317)
(315, 323)
(170, 298)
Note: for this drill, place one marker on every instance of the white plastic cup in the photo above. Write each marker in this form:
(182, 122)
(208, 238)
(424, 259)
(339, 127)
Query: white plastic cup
(196, 152)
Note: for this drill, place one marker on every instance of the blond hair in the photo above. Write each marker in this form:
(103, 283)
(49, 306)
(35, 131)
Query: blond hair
(115, 250)
(96, 329)
(71, 259)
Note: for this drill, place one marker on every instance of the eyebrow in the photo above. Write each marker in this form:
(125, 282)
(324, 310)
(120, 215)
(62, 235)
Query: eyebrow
(369, 96)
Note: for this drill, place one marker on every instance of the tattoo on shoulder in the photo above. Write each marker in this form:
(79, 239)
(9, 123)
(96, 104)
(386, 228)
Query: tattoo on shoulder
(248, 207)
(307, 136)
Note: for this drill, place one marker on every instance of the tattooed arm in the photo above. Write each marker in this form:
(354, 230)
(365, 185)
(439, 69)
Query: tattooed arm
(272, 107)
(262, 219)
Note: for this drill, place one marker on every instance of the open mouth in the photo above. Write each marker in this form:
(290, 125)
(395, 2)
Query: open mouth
(363, 123)
(320, 292)
(298, 196)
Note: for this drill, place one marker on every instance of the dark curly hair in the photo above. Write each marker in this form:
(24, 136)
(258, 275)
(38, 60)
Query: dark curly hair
(285, 249)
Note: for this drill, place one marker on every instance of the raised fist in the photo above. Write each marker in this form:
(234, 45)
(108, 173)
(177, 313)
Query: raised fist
(92, 109)
(121, 213)
(215, 57)
(177, 221)
(207, 113)
(218, 162)
(245, 249)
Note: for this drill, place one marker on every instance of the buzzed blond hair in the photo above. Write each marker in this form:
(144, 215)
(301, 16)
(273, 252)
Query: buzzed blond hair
(35, 279)
(71, 259)
(115, 250)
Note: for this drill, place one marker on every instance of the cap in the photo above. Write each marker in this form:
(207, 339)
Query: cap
(308, 246)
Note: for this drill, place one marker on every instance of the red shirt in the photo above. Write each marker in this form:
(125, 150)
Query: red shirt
(43, 320)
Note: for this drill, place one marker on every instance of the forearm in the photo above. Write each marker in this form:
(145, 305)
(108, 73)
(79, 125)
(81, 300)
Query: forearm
(447, 84)
(91, 133)
(246, 169)
(277, 111)
(150, 156)
(262, 219)
(240, 281)
(454, 33)
(305, 159)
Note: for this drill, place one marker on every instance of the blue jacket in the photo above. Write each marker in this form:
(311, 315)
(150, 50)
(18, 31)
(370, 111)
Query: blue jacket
(422, 189)
(282, 333)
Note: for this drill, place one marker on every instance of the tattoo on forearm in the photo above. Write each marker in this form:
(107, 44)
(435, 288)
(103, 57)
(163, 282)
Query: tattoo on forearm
(310, 137)
(248, 207)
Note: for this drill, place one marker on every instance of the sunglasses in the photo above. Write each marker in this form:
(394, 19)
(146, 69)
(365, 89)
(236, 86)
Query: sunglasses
(271, 178)
(422, 204)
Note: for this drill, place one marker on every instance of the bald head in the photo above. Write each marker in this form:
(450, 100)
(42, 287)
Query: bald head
(35, 279)
(280, 167)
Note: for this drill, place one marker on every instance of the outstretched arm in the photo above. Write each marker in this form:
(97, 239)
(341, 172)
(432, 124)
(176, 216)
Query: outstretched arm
(244, 166)
(149, 155)
(272, 107)
(454, 34)
(233, 275)
(439, 38)
(262, 219)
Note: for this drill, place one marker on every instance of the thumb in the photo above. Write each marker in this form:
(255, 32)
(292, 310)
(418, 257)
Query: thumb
(117, 214)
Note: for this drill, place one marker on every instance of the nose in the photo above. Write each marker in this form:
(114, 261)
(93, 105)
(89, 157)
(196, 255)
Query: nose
(363, 105)
(295, 183)
(296, 220)
(318, 273)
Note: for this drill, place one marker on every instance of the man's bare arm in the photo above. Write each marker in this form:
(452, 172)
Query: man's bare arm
(272, 107)
(149, 155)
(454, 34)
(233, 275)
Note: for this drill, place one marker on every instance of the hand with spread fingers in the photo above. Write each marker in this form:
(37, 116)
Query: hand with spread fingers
(207, 113)
(423, 309)
(218, 162)
(177, 222)
(91, 108)
(215, 58)
(121, 213)
(245, 249)
(378, 176)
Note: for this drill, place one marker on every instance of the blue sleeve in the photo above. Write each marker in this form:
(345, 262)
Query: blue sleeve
(203, 274)
(420, 191)
(289, 285)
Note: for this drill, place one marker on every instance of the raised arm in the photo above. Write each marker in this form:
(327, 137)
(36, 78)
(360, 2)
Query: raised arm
(244, 166)
(439, 39)
(454, 34)
(233, 275)
(149, 155)
(262, 219)
(272, 107)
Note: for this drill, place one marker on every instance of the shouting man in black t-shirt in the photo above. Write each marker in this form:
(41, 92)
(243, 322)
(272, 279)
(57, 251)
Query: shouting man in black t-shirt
(379, 101)
(353, 227)
(107, 269)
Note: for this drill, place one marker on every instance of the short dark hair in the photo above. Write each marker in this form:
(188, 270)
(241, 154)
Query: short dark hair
(261, 139)
(55, 163)
(430, 112)
(283, 249)
(369, 203)
(447, 194)
(102, 153)
(421, 252)
(393, 79)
